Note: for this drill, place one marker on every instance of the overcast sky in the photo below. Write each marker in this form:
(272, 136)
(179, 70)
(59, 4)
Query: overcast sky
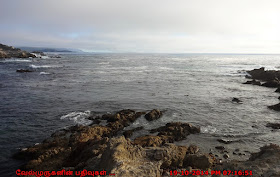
(168, 26)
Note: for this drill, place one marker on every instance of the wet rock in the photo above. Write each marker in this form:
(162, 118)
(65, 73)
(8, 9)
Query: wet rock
(92, 148)
(224, 141)
(253, 82)
(177, 130)
(273, 125)
(275, 107)
(24, 70)
(129, 133)
(121, 119)
(262, 74)
(226, 156)
(220, 148)
(271, 84)
(263, 163)
(153, 115)
(236, 100)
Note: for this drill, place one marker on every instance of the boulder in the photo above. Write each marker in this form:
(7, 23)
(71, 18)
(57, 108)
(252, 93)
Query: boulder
(153, 115)
(176, 130)
(236, 100)
(129, 133)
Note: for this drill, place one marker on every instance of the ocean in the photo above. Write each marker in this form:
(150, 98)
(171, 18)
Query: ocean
(193, 88)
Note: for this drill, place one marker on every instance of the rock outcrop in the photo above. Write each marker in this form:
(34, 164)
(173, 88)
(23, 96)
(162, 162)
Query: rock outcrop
(262, 164)
(153, 115)
(264, 75)
(99, 147)
(11, 52)
(271, 79)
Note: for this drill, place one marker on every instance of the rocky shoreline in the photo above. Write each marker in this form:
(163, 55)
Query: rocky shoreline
(266, 78)
(12, 52)
(102, 146)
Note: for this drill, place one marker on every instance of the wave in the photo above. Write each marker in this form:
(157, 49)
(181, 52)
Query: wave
(44, 66)
(208, 129)
(44, 73)
(78, 117)
(16, 60)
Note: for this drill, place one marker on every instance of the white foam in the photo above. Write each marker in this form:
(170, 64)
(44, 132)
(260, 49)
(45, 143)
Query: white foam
(78, 117)
(15, 60)
(44, 66)
(208, 129)
(104, 63)
(44, 73)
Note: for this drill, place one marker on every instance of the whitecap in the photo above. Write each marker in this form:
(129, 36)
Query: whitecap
(104, 63)
(44, 66)
(15, 60)
(78, 117)
(208, 129)
(44, 73)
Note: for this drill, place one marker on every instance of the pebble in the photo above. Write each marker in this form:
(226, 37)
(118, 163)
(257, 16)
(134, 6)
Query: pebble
(226, 156)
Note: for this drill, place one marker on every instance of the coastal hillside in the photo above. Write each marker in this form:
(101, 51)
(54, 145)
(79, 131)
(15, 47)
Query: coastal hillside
(12, 52)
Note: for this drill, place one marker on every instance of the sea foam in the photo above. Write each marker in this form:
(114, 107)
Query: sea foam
(78, 117)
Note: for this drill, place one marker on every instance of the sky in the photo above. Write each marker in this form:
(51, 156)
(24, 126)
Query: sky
(148, 26)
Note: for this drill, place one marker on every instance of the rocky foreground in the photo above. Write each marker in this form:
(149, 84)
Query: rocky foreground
(11, 52)
(102, 146)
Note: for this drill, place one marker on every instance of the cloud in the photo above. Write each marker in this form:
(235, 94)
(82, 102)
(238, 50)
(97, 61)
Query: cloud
(143, 26)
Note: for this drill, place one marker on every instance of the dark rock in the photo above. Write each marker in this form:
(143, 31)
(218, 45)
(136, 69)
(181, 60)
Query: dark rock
(236, 100)
(226, 156)
(273, 125)
(253, 82)
(153, 115)
(129, 133)
(262, 74)
(220, 148)
(271, 84)
(224, 141)
(177, 130)
(277, 90)
(24, 70)
(275, 107)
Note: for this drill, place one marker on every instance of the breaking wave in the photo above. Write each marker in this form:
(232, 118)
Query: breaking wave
(78, 117)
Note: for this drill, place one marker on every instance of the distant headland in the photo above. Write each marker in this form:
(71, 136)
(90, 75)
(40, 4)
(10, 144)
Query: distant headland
(12, 52)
